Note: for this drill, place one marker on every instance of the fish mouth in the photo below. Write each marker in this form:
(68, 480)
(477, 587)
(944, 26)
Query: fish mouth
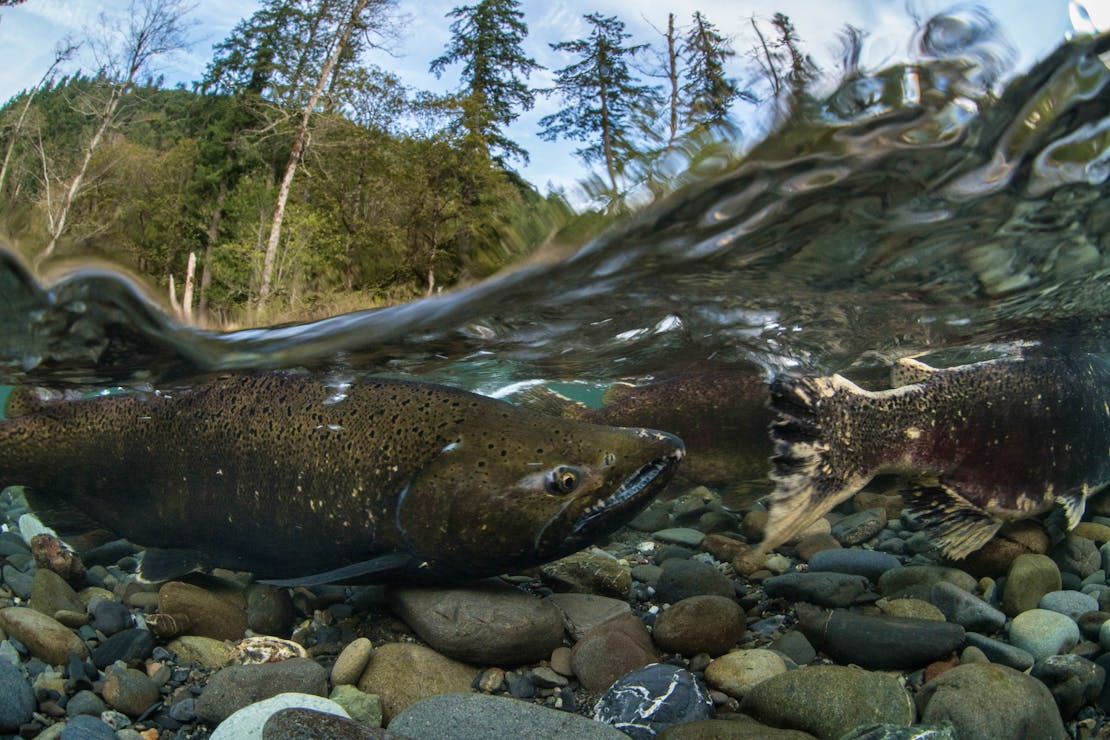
(613, 511)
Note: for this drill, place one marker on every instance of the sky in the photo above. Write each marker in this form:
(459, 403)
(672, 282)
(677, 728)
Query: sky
(29, 32)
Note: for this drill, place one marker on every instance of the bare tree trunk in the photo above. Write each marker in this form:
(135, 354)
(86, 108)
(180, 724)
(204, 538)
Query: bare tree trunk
(155, 28)
(58, 221)
(60, 56)
(770, 69)
(672, 75)
(298, 149)
(187, 296)
(213, 237)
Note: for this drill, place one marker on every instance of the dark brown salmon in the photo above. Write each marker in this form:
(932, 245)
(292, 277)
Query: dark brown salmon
(292, 479)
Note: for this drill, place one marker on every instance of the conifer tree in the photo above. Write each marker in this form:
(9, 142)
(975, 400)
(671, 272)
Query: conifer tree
(601, 97)
(486, 38)
(707, 93)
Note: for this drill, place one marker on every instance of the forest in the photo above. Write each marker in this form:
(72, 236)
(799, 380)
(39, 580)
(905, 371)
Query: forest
(294, 180)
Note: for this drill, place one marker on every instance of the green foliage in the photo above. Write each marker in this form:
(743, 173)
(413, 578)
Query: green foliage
(708, 94)
(486, 38)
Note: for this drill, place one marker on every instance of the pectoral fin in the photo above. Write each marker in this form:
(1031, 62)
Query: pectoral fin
(367, 569)
(160, 565)
(958, 526)
(1074, 504)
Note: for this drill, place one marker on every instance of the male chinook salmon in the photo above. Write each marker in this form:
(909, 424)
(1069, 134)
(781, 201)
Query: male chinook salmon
(379, 481)
(983, 443)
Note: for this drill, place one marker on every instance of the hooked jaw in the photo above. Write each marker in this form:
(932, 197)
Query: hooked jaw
(607, 514)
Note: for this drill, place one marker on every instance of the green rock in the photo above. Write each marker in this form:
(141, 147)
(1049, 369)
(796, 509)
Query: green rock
(916, 581)
(366, 708)
(737, 728)
(1030, 578)
(50, 594)
(987, 701)
(204, 651)
(403, 673)
(829, 700)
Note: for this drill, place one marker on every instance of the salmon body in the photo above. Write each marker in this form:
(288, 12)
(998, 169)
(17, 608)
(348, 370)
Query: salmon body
(297, 480)
(980, 444)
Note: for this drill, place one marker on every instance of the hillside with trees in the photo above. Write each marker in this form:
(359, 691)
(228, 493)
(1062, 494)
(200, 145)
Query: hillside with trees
(294, 179)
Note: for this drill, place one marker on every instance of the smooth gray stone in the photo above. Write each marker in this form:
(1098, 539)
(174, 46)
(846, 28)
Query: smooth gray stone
(482, 716)
(1073, 604)
(685, 536)
(824, 589)
(1001, 652)
(17, 700)
(1074, 681)
(966, 609)
(84, 727)
(869, 563)
(916, 581)
(859, 527)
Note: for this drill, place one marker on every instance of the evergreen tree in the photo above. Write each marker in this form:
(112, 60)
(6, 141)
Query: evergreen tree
(486, 38)
(601, 97)
(708, 94)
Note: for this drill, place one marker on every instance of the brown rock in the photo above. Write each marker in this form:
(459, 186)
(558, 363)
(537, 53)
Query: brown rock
(562, 661)
(591, 573)
(351, 662)
(755, 522)
(749, 562)
(130, 691)
(210, 614)
(892, 503)
(699, 624)
(611, 650)
(46, 638)
(935, 669)
(1100, 533)
(724, 547)
(1016, 538)
(808, 546)
(403, 673)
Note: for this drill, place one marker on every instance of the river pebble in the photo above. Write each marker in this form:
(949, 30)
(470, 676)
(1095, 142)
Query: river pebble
(17, 700)
(682, 579)
(1042, 633)
(611, 650)
(699, 624)
(650, 699)
(232, 688)
(868, 563)
(879, 642)
(1074, 681)
(489, 623)
(479, 717)
(966, 609)
(1030, 577)
(824, 589)
(738, 672)
(987, 702)
(247, 723)
(1073, 604)
(828, 701)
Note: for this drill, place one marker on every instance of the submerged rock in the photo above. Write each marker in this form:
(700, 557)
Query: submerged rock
(828, 701)
(642, 703)
(467, 716)
(986, 701)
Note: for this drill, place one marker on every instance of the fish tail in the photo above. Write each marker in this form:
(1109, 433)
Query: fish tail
(815, 462)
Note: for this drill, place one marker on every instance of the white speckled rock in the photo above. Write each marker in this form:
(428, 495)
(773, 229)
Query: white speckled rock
(1041, 633)
(247, 723)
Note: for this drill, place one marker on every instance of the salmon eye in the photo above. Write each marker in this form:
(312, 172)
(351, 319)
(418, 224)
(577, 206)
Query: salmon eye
(562, 480)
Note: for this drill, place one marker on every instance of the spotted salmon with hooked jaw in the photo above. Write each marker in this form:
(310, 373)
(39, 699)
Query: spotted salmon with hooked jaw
(300, 482)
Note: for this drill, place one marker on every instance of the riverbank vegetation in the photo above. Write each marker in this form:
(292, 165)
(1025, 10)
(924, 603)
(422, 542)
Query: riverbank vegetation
(295, 179)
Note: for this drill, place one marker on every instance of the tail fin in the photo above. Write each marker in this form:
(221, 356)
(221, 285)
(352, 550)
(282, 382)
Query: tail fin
(813, 466)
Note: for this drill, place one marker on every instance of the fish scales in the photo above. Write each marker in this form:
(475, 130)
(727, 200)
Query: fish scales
(980, 444)
(282, 475)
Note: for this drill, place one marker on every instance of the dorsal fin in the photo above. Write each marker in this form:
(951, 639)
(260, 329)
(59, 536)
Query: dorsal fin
(906, 371)
(24, 400)
(543, 399)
